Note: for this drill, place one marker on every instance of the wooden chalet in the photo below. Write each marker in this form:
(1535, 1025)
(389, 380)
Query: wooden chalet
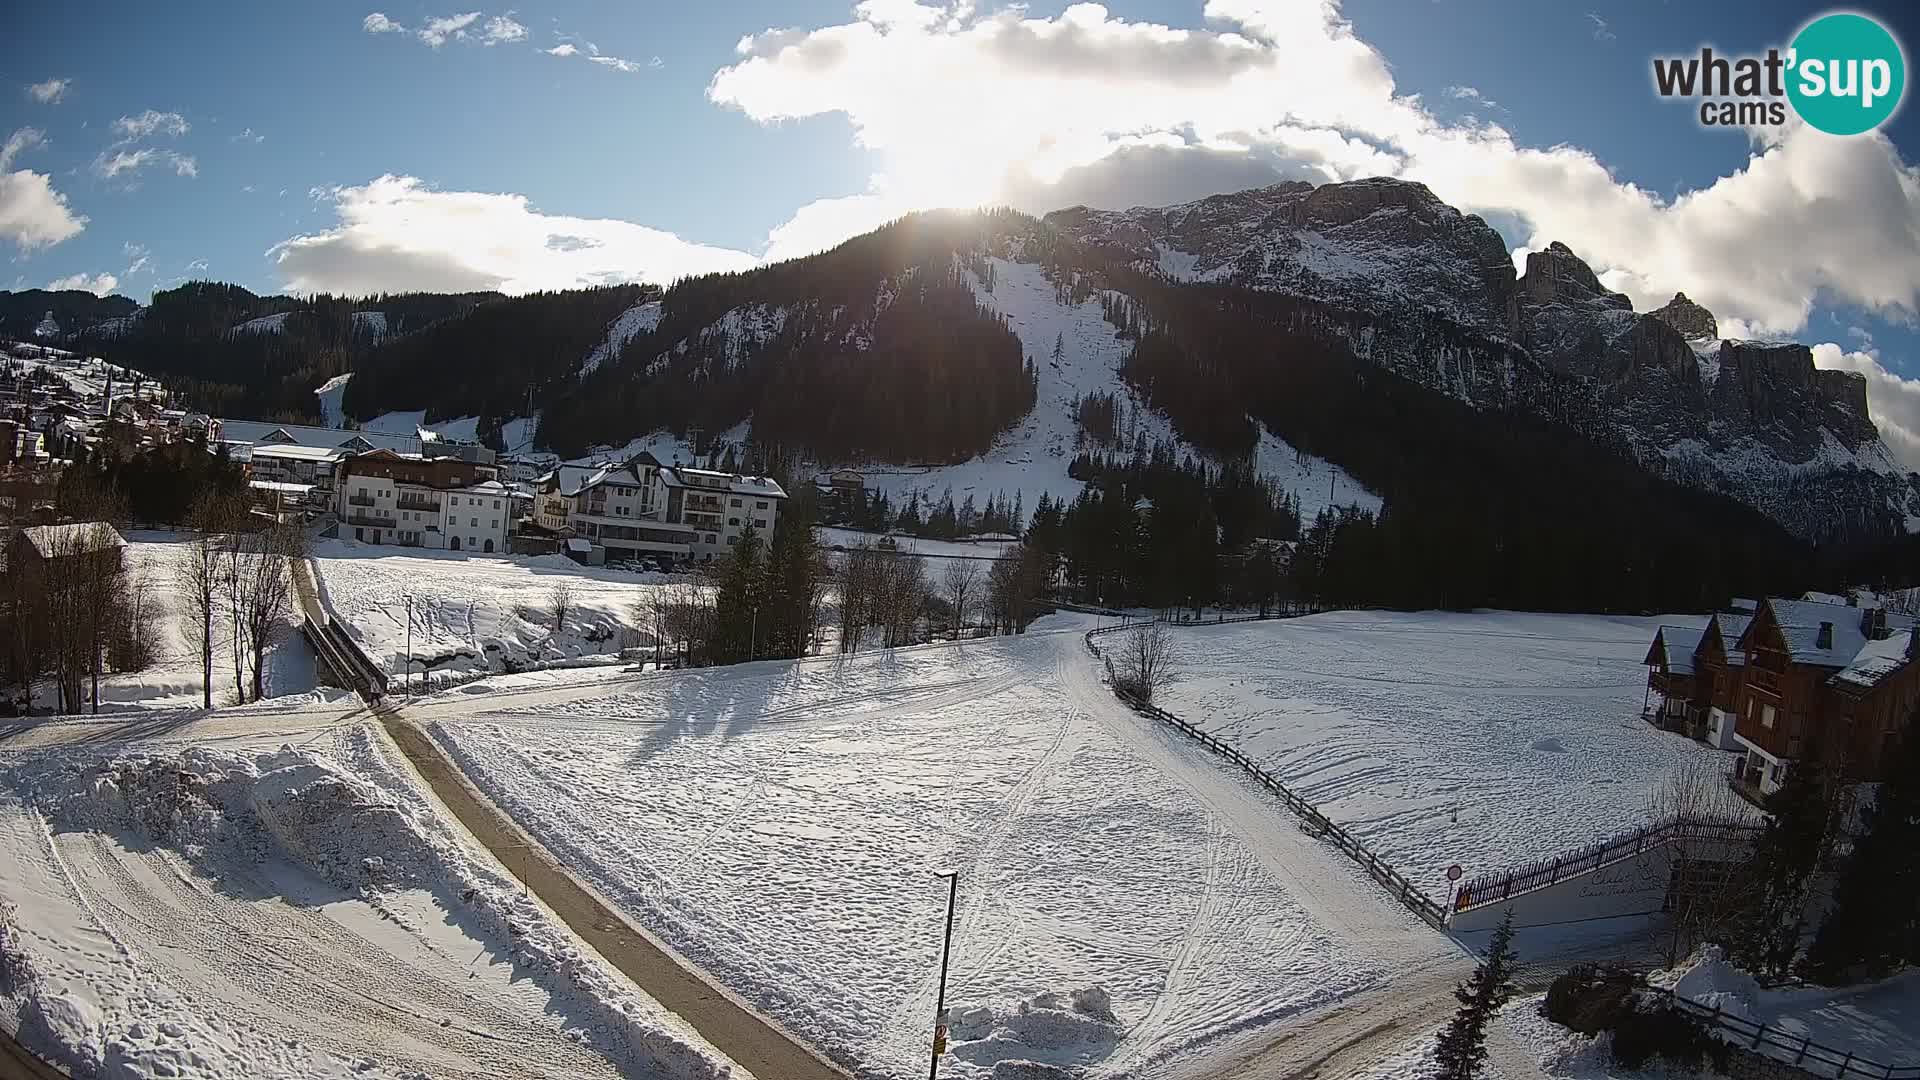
(1825, 678)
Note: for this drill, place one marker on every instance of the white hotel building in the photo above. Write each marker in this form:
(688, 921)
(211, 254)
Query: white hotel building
(641, 508)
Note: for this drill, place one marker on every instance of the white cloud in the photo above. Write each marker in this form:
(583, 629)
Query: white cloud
(587, 50)
(197, 266)
(503, 28)
(140, 260)
(32, 214)
(151, 122)
(395, 234)
(248, 136)
(378, 23)
(437, 31)
(49, 92)
(1467, 92)
(1893, 402)
(962, 108)
(98, 284)
(1601, 31)
(133, 162)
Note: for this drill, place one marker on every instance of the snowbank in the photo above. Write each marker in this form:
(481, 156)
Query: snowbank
(223, 820)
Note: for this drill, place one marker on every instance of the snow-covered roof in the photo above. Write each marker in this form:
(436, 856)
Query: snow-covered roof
(1800, 622)
(1731, 627)
(79, 538)
(296, 452)
(580, 544)
(1674, 646)
(263, 431)
(486, 487)
(683, 476)
(284, 489)
(1876, 660)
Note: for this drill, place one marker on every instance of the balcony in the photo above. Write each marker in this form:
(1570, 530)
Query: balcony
(360, 500)
(713, 503)
(379, 521)
(415, 502)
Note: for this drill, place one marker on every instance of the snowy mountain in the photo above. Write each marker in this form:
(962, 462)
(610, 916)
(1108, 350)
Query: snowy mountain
(1755, 420)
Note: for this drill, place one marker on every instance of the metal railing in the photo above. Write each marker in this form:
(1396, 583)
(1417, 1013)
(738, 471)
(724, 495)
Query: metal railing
(413, 503)
(1799, 1051)
(360, 500)
(376, 520)
(1318, 824)
(1503, 885)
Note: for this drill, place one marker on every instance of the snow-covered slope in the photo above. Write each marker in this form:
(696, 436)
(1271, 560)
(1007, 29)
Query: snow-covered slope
(265, 324)
(373, 322)
(1032, 458)
(634, 321)
(329, 394)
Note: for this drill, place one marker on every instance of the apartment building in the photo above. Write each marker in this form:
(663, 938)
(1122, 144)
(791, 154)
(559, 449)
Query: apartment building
(641, 509)
(384, 497)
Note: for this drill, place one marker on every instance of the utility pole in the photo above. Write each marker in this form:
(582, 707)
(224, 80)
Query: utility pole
(940, 1002)
(753, 634)
(406, 681)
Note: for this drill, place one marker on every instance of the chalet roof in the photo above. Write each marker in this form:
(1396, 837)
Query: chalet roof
(1800, 621)
(297, 452)
(1875, 661)
(1673, 648)
(83, 537)
(1731, 628)
(571, 480)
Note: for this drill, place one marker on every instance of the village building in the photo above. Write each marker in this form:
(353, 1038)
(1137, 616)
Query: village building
(38, 550)
(385, 497)
(641, 509)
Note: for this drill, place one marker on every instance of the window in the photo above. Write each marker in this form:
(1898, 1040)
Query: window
(473, 523)
(734, 522)
(761, 505)
(496, 504)
(712, 539)
(495, 524)
(759, 523)
(1766, 716)
(732, 540)
(735, 502)
(473, 541)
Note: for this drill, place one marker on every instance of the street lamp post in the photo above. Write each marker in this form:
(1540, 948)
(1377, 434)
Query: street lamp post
(940, 1001)
(406, 682)
(753, 635)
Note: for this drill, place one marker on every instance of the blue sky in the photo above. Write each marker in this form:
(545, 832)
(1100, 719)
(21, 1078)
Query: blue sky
(293, 110)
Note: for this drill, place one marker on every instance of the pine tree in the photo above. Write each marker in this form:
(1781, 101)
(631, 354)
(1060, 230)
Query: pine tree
(742, 588)
(1766, 937)
(1874, 926)
(1463, 1045)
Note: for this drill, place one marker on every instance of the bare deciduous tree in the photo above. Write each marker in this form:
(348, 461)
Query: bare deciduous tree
(197, 578)
(858, 581)
(901, 596)
(1143, 661)
(1709, 869)
(560, 604)
(960, 577)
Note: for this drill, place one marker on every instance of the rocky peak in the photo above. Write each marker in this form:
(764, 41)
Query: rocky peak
(1555, 275)
(1693, 321)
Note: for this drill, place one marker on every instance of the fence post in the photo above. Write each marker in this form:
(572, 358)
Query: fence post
(1802, 1055)
(1761, 1035)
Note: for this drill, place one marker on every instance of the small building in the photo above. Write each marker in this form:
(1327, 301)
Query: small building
(641, 509)
(1680, 704)
(36, 550)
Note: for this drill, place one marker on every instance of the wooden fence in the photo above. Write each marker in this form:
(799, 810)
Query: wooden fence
(1501, 885)
(1317, 823)
(1799, 1051)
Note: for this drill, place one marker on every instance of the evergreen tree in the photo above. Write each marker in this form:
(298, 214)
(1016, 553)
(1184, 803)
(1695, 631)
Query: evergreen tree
(1766, 937)
(1874, 926)
(796, 574)
(742, 588)
(1463, 1045)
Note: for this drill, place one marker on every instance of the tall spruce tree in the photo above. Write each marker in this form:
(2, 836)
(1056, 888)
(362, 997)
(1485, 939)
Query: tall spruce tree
(1766, 938)
(795, 576)
(1874, 926)
(742, 589)
(1463, 1045)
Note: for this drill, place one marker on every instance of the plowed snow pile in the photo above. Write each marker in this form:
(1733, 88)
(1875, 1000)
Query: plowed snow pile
(206, 913)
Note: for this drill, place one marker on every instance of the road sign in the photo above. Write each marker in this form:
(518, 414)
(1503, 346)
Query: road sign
(1454, 872)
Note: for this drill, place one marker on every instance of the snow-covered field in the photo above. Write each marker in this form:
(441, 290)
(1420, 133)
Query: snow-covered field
(178, 910)
(172, 681)
(1124, 903)
(1486, 739)
(474, 615)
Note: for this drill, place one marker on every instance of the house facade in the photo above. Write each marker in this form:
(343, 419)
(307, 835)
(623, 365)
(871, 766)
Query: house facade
(642, 509)
(384, 497)
(1825, 678)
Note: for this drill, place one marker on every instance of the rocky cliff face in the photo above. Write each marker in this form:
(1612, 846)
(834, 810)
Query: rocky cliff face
(1752, 419)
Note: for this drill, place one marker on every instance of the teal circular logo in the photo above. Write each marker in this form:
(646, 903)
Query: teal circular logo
(1846, 74)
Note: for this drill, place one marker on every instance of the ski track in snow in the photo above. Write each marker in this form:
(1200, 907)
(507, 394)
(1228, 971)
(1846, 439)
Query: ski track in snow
(1391, 723)
(781, 823)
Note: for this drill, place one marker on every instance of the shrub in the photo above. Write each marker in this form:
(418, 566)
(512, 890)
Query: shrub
(1590, 998)
(1659, 1030)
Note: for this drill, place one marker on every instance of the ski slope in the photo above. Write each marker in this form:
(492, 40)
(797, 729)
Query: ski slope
(1486, 739)
(781, 824)
(1033, 457)
(223, 908)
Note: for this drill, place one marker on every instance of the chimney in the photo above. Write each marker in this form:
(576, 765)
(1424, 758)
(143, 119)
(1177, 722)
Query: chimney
(1873, 623)
(1825, 638)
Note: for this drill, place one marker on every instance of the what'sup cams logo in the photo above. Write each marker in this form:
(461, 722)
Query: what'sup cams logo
(1844, 74)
